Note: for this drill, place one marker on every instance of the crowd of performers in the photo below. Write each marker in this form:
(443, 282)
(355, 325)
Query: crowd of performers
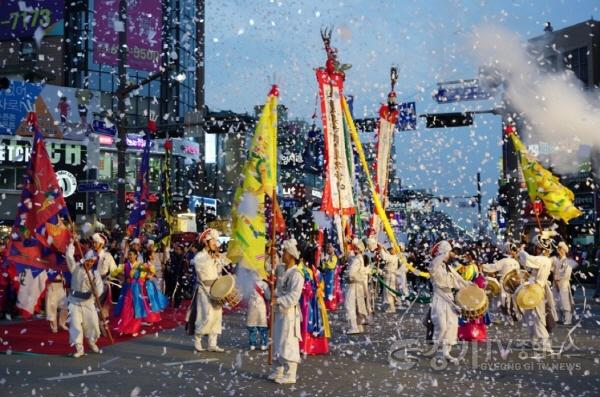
(135, 282)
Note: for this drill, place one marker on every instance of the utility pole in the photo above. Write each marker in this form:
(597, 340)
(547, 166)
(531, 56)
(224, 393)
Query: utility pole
(122, 113)
(478, 196)
(200, 104)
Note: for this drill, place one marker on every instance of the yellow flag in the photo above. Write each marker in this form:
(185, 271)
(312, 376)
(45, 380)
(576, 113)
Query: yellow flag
(249, 228)
(541, 184)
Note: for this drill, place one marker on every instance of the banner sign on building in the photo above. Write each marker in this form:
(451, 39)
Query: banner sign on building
(144, 20)
(407, 118)
(14, 103)
(21, 18)
(62, 112)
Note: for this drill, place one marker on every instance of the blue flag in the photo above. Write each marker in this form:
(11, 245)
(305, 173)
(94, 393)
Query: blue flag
(142, 193)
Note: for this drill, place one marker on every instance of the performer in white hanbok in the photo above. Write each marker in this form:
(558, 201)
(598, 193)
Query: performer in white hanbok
(505, 301)
(391, 262)
(208, 264)
(444, 312)
(562, 267)
(286, 321)
(538, 318)
(402, 275)
(106, 265)
(83, 318)
(56, 308)
(356, 297)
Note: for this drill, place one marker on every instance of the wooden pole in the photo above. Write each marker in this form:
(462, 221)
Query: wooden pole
(93, 288)
(272, 281)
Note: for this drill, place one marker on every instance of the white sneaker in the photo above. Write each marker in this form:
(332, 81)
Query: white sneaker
(94, 347)
(264, 347)
(252, 348)
(286, 380)
(276, 373)
(198, 345)
(215, 349)
(78, 353)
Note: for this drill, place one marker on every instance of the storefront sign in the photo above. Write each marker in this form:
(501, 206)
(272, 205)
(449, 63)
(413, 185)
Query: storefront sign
(18, 152)
(105, 140)
(292, 191)
(190, 148)
(136, 141)
(67, 182)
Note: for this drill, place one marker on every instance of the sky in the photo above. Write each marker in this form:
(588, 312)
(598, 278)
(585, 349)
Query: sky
(253, 43)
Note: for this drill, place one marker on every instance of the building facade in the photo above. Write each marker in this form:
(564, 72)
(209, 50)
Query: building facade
(574, 48)
(68, 75)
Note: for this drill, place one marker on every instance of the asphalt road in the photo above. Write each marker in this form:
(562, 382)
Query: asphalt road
(390, 359)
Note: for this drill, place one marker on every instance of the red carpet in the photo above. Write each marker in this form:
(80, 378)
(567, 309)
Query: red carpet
(34, 336)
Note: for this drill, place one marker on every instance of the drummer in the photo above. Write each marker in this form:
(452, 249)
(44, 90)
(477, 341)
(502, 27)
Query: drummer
(443, 309)
(209, 265)
(536, 318)
(501, 268)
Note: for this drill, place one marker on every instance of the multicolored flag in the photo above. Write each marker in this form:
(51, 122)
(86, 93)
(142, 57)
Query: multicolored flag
(541, 184)
(249, 212)
(388, 116)
(138, 214)
(39, 237)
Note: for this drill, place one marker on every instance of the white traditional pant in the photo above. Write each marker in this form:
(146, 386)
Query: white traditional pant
(390, 297)
(209, 315)
(445, 322)
(83, 321)
(536, 322)
(56, 302)
(562, 292)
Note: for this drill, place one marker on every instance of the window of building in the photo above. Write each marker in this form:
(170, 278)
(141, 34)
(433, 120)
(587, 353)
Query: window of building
(7, 178)
(577, 61)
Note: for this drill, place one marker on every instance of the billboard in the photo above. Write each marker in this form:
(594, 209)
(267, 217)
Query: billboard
(456, 91)
(144, 27)
(63, 112)
(22, 18)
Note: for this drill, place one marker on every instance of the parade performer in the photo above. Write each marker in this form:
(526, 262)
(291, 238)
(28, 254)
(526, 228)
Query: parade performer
(562, 267)
(334, 295)
(356, 299)
(540, 318)
(256, 318)
(286, 311)
(133, 307)
(56, 309)
(208, 264)
(390, 269)
(83, 319)
(159, 259)
(150, 288)
(106, 265)
(444, 312)
(314, 326)
(402, 274)
(473, 329)
(505, 301)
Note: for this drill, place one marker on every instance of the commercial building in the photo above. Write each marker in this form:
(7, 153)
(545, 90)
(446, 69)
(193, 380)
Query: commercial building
(68, 74)
(575, 48)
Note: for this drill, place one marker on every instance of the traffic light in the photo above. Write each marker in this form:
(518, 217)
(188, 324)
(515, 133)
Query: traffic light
(448, 120)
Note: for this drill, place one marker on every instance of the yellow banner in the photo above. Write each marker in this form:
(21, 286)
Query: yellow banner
(248, 238)
(378, 207)
(541, 184)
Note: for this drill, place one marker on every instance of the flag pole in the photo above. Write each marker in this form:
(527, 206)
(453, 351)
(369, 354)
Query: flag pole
(92, 287)
(272, 280)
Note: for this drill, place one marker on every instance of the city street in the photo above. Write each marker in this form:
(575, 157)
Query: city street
(373, 364)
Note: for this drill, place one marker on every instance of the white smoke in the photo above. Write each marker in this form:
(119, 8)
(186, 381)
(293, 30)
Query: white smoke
(557, 109)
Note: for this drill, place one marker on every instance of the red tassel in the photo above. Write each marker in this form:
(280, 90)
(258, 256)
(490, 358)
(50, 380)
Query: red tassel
(510, 129)
(274, 90)
(152, 126)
